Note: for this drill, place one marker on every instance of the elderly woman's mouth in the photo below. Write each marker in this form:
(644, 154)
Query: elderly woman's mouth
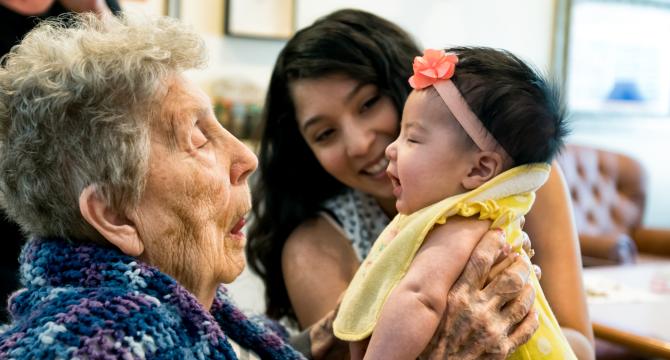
(237, 228)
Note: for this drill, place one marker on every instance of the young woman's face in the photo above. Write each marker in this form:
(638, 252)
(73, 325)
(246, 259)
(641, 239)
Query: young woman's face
(348, 126)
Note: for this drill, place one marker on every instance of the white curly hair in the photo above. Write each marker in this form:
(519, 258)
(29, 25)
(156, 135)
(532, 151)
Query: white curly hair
(77, 96)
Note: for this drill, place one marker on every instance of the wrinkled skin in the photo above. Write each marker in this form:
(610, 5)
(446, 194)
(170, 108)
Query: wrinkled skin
(469, 307)
(503, 286)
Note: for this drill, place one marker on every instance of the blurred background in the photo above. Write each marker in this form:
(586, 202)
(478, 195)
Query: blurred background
(611, 55)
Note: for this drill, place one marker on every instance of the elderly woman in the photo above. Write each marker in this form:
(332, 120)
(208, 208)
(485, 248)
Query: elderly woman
(132, 193)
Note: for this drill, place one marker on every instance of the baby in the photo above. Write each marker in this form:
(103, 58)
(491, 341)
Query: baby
(477, 135)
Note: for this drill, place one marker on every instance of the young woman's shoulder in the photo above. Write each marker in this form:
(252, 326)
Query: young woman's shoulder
(318, 262)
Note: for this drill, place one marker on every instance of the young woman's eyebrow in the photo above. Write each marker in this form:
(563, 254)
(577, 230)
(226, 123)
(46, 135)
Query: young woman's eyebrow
(311, 121)
(354, 91)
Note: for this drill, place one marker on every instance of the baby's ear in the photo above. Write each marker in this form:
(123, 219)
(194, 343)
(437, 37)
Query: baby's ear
(486, 165)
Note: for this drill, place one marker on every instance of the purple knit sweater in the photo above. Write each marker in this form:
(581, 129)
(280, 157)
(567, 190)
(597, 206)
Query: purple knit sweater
(90, 302)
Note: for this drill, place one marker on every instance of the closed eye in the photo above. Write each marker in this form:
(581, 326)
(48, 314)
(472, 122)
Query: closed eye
(370, 103)
(323, 135)
(198, 138)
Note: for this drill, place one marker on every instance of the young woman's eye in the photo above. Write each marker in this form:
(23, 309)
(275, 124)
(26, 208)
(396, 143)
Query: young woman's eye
(370, 103)
(323, 135)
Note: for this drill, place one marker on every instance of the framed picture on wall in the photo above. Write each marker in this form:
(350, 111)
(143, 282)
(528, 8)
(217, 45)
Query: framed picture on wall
(261, 19)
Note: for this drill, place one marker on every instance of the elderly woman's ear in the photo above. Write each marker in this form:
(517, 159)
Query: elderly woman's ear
(116, 228)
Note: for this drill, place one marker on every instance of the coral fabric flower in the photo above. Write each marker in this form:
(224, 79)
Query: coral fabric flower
(433, 66)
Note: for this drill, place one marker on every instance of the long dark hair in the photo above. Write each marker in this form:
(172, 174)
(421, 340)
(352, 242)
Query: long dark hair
(291, 185)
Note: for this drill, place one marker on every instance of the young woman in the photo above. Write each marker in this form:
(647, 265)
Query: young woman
(322, 196)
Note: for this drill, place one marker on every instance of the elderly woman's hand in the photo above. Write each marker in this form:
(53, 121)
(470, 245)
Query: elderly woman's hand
(487, 316)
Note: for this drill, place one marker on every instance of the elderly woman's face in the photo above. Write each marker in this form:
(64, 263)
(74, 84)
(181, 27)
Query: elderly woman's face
(197, 195)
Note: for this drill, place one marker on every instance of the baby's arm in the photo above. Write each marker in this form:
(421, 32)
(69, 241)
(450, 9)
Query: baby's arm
(414, 308)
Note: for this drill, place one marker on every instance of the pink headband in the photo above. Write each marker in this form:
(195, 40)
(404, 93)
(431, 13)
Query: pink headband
(435, 68)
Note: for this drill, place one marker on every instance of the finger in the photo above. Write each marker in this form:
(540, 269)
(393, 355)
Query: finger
(436, 352)
(522, 333)
(437, 346)
(517, 309)
(482, 258)
(538, 271)
(510, 282)
(321, 335)
(440, 349)
(506, 251)
(493, 336)
(526, 245)
(500, 266)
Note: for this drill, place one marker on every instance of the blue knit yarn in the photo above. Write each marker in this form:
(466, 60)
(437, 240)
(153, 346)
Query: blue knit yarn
(86, 301)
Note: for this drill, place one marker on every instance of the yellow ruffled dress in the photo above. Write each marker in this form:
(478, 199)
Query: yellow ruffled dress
(503, 200)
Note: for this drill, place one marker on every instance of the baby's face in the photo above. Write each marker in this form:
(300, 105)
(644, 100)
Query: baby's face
(431, 156)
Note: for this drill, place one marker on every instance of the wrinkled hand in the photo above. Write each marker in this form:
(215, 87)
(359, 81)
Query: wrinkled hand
(487, 317)
(321, 335)
(324, 344)
(501, 264)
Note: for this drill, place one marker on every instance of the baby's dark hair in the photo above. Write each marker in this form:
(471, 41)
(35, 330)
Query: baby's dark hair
(520, 107)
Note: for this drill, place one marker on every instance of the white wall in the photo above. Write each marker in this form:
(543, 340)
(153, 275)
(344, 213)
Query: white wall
(522, 26)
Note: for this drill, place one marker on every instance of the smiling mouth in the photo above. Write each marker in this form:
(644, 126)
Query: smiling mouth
(376, 168)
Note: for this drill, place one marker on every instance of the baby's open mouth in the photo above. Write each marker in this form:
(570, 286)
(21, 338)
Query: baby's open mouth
(394, 180)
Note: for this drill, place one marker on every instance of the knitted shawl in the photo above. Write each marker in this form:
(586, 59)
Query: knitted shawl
(89, 302)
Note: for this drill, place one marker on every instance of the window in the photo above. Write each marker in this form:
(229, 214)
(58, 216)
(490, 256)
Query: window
(617, 55)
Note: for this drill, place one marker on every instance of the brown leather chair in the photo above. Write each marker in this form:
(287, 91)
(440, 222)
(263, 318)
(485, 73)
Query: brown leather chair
(608, 192)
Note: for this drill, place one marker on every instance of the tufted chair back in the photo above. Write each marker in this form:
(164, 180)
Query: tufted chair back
(608, 192)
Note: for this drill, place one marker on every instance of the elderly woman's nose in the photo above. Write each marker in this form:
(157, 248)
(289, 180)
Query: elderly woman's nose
(244, 164)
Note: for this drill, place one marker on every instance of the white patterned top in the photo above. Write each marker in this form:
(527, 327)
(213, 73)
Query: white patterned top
(360, 218)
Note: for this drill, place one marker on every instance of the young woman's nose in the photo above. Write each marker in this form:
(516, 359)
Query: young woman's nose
(359, 140)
